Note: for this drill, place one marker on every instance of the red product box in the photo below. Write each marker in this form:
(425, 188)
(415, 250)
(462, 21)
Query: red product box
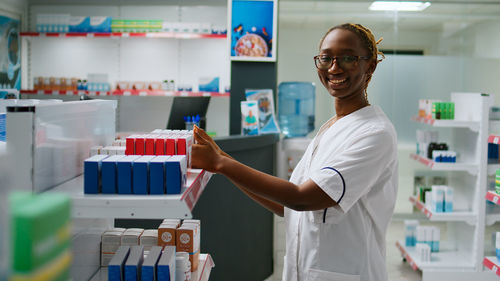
(181, 146)
(160, 146)
(129, 146)
(139, 146)
(170, 147)
(150, 145)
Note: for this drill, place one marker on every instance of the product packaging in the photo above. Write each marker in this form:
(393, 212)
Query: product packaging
(100, 24)
(109, 174)
(448, 199)
(188, 240)
(176, 174)
(124, 168)
(148, 272)
(131, 236)
(149, 238)
(157, 176)
(167, 234)
(79, 24)
(436, 236)
(134, 263)
(249, 118)
(117, 264)
(166, 264)
(91, 176)
(140, 178)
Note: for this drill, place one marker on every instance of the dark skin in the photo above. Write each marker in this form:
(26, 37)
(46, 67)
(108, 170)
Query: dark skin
(346, 86)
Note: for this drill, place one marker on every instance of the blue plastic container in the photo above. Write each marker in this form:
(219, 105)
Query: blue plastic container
(296, 108)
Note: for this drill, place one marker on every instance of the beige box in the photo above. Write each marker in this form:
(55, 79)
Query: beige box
(111, 237)
(167, 235)
(106, 258)
(172, 221)
(109, 248)
(131, 236)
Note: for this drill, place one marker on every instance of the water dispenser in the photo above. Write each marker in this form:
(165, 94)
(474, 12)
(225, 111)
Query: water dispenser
(296, 108)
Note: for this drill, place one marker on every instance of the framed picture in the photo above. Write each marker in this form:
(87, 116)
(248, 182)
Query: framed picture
(253, 30)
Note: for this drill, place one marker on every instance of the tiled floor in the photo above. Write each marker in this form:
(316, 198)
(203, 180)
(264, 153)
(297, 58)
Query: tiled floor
(396, 268)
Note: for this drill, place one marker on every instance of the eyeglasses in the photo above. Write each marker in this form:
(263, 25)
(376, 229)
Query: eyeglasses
(347, 62)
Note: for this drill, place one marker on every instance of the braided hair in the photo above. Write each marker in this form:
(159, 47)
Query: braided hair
(367, 40)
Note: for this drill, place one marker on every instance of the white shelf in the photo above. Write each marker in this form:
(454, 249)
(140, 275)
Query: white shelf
(468, 217)
(492, 218)
(437, 166)
(493, 264)
(142, 93)
(492, 168)
(135, 206)
(472, 125)
(445, 260)
(175, 35)
(202, 274)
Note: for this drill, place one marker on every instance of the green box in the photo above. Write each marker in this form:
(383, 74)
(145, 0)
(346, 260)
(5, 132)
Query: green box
(40, 229)
(452, 110)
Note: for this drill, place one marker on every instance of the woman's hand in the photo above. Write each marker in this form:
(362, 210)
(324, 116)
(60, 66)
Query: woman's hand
(205, 153)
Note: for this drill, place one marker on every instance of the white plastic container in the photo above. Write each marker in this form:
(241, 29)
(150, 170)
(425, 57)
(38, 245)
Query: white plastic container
(182, 267)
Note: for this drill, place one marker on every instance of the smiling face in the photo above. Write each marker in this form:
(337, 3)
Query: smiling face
(345, 83)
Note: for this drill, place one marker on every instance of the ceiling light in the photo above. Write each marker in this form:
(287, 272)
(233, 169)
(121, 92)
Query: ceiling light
(412, 6)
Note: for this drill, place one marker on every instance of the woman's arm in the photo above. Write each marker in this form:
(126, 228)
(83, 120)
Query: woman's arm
(307, 196)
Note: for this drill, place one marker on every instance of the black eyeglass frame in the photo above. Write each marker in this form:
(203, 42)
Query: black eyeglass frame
(336, 58)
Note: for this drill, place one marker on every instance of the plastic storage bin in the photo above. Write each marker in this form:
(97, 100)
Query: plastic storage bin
(296, 108)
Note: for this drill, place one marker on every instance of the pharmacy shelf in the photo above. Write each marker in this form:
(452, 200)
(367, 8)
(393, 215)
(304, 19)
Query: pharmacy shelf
(437, 166)
(492, 219)
(493, 264)
(444, 260)
(472, 125)
(126, 93)
(135, 206)
(495, 139)
(493, 197)
(451, 216)
(205, 266)
(175, 35)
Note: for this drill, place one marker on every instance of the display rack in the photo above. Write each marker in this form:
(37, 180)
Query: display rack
(175, 35)
(202, 274)
(468, 217)
(437, 166)
(472, 125)
(493, 264)
(135, 206)
(461, 254)
(444, 260)
(126, 93)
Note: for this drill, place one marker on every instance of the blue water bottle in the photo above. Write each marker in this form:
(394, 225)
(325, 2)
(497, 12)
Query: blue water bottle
(296, 108)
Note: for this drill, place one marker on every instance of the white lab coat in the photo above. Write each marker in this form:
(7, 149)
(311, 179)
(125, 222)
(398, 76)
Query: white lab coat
(354, 161)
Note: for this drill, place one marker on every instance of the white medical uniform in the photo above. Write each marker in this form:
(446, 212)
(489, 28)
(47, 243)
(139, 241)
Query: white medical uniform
(354, 161)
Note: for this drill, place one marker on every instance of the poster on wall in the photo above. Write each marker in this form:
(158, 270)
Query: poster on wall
(253, 30)
(10, 54)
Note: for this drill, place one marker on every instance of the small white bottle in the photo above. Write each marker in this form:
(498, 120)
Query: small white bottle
(182, 267)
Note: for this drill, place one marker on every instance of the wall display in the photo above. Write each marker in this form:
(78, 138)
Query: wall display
(265, 102)
(10, 54)
(249, 118)
(253, 30)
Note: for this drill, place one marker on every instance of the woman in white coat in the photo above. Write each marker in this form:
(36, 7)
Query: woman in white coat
(340, 198)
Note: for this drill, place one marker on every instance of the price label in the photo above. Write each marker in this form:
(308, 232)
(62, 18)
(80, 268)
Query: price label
(125, 34)
(143, 94)
(184, 94)
(495, 199)
(90, 35)
(92, 93)
(55, 93)
(494, 268)
(70, 93)
(127, 93)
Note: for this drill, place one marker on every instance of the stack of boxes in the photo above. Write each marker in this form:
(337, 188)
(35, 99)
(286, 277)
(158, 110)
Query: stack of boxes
(437, 198)
(40, 236)
(119, 174)
(425, 239)
(110, 242)
(436, 109)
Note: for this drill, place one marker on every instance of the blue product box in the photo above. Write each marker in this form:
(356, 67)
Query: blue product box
(108, 174)
(117, 264)
(435, 246)
(176, 171)
(498, 254)
(166, 265)
(91, 172)
(140, 175)
(134, 263)
(3, 127)
(124, 168)
(100, 24)
(157, 177)
(208, 84)
(148, 272)
(79, 24)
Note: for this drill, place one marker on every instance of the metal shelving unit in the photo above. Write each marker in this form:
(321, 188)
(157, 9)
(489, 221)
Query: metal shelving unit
(142, 93)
